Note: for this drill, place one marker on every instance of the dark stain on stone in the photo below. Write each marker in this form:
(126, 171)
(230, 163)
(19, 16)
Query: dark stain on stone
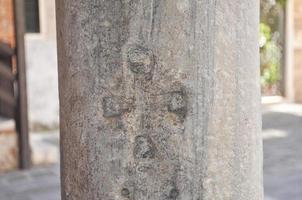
(125, 193)
(178, 103)
(144, 147)
(170, 191)
(111, 107)
(140, 60)
(173, 193)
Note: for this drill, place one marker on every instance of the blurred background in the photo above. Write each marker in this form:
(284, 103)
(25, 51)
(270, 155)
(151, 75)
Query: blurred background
(280, 41)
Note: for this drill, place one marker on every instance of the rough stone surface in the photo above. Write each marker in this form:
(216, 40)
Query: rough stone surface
(111, 107)
(202, 143)
(143, 147)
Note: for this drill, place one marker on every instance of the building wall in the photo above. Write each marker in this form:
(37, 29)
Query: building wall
(8, 137)
(6, 22)
(42, 77)
(297, 48)
(47, 20)
(42, 83)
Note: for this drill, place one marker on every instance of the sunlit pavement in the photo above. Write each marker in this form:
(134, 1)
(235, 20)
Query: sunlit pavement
(282, 136)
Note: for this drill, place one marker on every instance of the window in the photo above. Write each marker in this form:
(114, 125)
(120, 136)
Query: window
(32, 16)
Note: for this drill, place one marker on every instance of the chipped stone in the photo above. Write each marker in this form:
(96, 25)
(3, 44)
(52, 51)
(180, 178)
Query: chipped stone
(111, 107)
(140, 60)
(177, 102)
(144, 147)
(170, 192)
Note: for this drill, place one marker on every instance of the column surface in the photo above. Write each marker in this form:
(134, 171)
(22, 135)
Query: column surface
(159, 99)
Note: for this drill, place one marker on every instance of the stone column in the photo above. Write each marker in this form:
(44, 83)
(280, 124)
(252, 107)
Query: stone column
(159, 99)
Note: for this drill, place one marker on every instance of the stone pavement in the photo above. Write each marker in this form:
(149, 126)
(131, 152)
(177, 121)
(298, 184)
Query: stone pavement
(40, 183)
(282, 136)
(35, 184)
(282, 139)
(45, 147)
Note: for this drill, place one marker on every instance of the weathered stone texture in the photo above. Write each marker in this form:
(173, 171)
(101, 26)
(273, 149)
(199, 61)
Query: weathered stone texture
(159, 99)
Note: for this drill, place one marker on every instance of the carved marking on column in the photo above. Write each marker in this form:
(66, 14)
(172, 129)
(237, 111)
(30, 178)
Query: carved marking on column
(153, 147)
(114, 107)
(169, 191)
(127, 190)
(140, 60)
(111, 107)
(178, 103)
(144, 147)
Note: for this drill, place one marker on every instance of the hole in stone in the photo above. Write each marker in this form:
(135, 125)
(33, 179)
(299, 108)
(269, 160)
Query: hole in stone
(125, 192)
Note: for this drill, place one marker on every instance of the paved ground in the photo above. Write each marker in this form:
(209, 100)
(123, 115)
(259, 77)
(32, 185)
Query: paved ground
(36, 184)
(282, 134)
(45, 147)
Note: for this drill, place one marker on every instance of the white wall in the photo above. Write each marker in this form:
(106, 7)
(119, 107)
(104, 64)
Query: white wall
(42, 78)
(42, 83)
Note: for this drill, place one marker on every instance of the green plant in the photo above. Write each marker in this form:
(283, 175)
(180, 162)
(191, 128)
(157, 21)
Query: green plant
(270, 54)
(281, 2)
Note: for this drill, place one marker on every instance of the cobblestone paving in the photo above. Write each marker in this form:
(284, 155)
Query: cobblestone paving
(282, 134)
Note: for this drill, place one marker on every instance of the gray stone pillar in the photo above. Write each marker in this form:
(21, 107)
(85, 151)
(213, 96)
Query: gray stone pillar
(159, 99)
